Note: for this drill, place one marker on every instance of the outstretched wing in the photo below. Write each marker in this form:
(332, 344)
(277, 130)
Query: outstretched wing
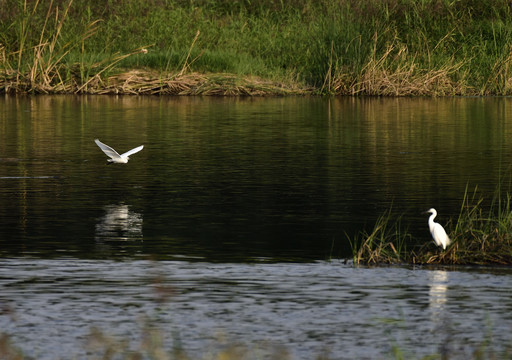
(132, 151)
(107, 150)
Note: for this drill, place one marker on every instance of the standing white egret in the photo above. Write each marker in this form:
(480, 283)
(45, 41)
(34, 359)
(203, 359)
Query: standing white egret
(114, 156)
(438, 233)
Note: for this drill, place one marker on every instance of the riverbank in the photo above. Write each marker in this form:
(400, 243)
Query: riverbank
(265, 47)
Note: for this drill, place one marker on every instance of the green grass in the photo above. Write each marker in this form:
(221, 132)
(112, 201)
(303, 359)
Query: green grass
(481, 235)
(385, 244)
(368, 47)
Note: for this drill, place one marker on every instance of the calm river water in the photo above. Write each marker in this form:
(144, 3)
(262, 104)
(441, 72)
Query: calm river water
(233, 208)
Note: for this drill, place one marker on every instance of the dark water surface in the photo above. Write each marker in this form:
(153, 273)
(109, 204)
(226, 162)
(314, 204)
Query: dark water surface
(234, 179)
(241, 201)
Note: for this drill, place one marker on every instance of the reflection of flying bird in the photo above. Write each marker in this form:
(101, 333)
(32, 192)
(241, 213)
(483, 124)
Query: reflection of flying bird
(119, 223)
(114, 156)
(438, 233)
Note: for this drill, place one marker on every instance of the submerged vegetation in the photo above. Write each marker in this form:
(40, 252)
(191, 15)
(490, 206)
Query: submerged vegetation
(481, 235)
(346, 47)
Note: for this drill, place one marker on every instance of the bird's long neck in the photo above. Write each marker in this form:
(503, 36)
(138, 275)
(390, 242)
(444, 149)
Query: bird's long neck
(431, 220)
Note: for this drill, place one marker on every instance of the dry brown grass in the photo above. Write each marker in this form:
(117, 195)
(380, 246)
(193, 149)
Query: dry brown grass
(396, 73)
(500, 80)
(148, 83)
(144, 82)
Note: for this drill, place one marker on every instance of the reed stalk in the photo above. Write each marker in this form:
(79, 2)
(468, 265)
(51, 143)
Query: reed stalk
(186, 64)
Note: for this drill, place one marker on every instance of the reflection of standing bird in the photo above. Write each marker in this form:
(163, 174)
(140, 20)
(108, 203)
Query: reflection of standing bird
(438, 234)
(114, 156)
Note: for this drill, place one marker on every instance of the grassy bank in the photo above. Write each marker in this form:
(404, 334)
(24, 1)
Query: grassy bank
(346, 47)
(481, 235)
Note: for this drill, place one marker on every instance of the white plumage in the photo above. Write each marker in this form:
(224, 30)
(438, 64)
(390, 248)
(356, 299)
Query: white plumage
(438, 233)
(114, 156)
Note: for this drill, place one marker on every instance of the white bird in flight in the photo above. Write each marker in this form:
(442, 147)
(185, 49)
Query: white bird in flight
(438, 233)
(114, 156)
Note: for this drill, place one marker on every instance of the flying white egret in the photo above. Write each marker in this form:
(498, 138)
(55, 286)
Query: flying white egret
(438, 233)
(114, 156)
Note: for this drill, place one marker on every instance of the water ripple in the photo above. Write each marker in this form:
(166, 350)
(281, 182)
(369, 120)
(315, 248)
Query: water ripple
(308, 309)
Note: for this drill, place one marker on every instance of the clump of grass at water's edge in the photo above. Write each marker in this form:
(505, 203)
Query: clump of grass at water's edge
(385, 244)
(345, 47)
(481, 235)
